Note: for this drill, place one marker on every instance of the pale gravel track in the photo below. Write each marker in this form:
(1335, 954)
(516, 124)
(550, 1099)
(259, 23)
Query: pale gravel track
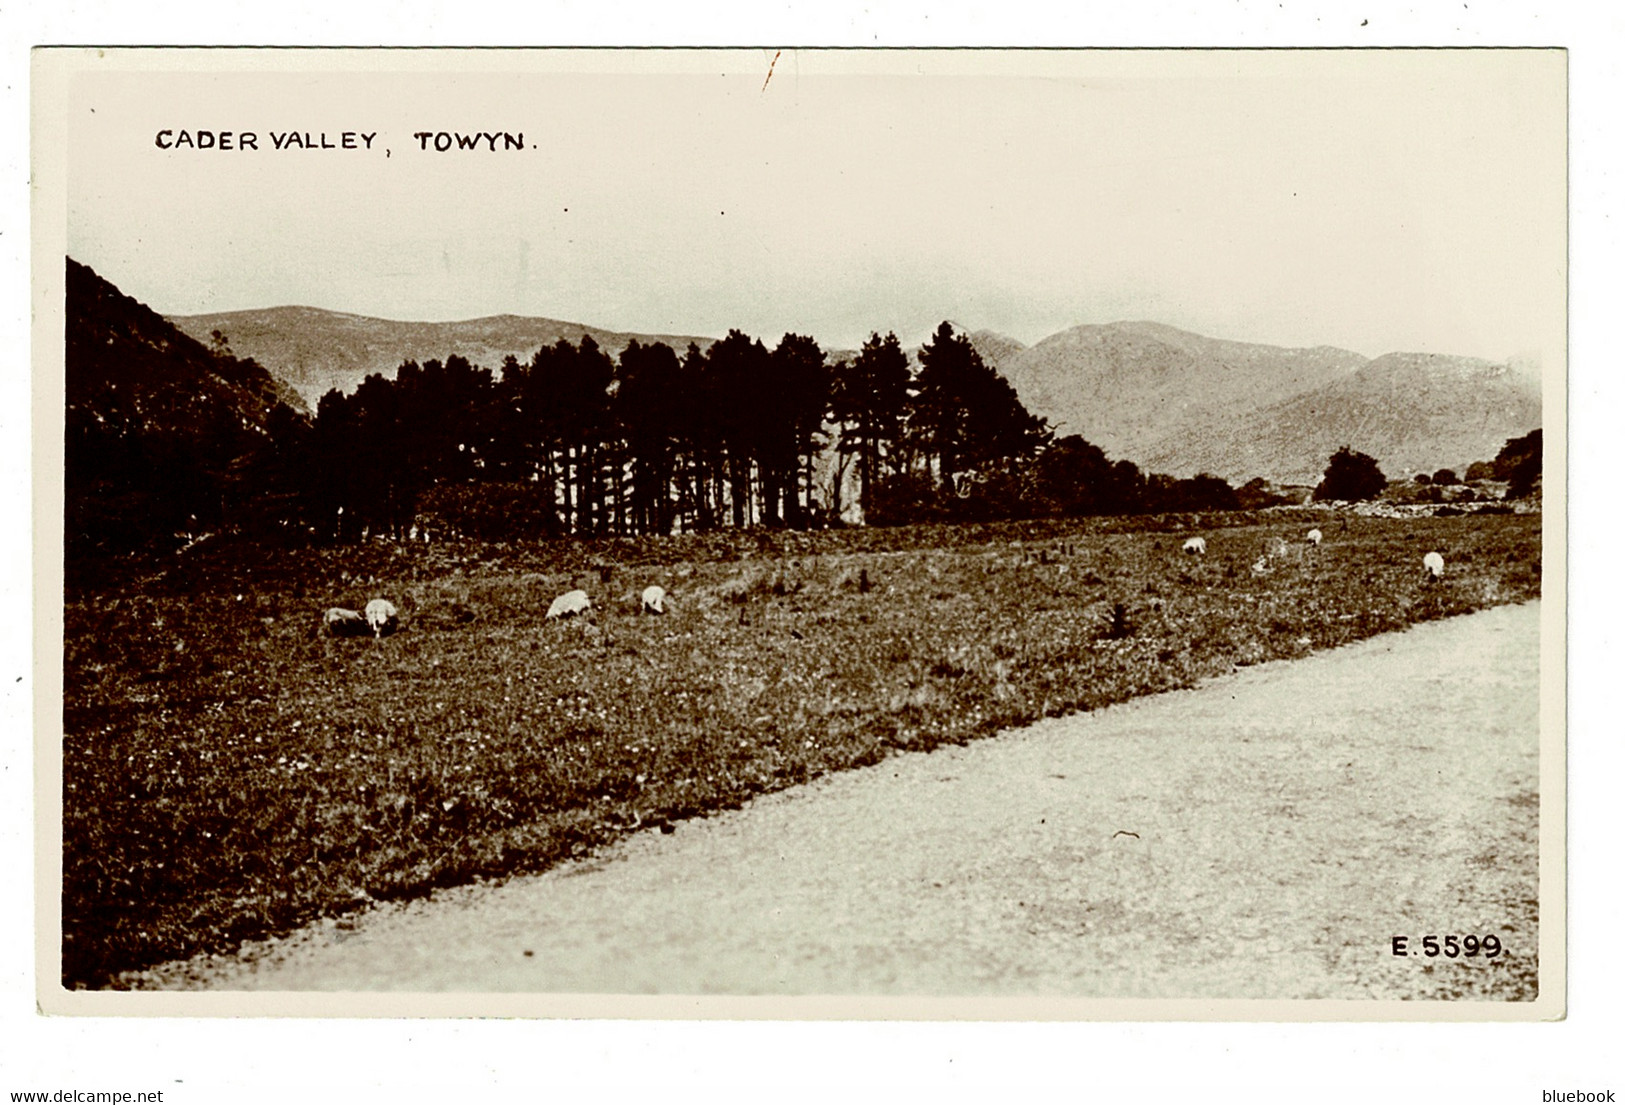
(1290, 819)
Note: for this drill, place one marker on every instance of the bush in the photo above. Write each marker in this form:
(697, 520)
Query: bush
(905, 499)
(1198, 494)
(1351, 477)
(1519, 464)
(1258, 494)
(994, 497)
(1525, 479)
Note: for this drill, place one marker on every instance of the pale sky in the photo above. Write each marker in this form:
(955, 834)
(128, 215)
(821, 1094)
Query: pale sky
(1373, 200)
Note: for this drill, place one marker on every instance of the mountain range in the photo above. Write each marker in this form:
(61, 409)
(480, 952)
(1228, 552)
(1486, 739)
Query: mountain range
(316, 350)
(1169, 400)
(1181, 403)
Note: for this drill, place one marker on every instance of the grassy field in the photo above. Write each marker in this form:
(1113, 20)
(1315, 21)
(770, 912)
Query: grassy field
(230, 772)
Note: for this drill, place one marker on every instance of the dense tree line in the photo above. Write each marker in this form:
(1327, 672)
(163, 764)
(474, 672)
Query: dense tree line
(579, 442)
(574, 441)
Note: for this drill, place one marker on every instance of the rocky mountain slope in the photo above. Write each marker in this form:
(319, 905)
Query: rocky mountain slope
(1177, 402)
(1414, 412)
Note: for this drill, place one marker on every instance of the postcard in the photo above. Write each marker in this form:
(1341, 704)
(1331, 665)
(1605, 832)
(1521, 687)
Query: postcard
(801, 534)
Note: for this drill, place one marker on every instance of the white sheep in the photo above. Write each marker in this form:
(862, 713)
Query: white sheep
(1433, 564)
(1196, 545)
(381, 617)
(654, 599)
(569, 604)
(340, 622)
(1314, 537)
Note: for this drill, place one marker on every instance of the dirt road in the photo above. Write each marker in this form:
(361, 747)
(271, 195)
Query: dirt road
(1265, 835)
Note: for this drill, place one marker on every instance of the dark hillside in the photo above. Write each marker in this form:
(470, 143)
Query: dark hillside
(159, 428)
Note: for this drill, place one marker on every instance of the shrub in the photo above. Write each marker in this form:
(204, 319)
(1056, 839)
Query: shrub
(1198, 494)
(907, 498)
(1351, 477)
(1257, 494)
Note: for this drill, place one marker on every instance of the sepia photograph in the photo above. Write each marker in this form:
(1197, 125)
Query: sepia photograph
(802, 533)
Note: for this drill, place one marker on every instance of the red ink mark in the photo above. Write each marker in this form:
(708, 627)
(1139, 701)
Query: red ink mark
(770, 66)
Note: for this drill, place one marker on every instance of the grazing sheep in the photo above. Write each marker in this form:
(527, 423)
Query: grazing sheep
(569, 604)
(340, 622)
(1433, 564)
(654, 600)
(1196, 545)
(382, 617)
(1314, 537)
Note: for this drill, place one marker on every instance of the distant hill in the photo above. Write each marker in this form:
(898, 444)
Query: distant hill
(995, 349)
(1128, 384)
(317, 350)
(156, 423)
(1414, 412)
(1178, 402)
